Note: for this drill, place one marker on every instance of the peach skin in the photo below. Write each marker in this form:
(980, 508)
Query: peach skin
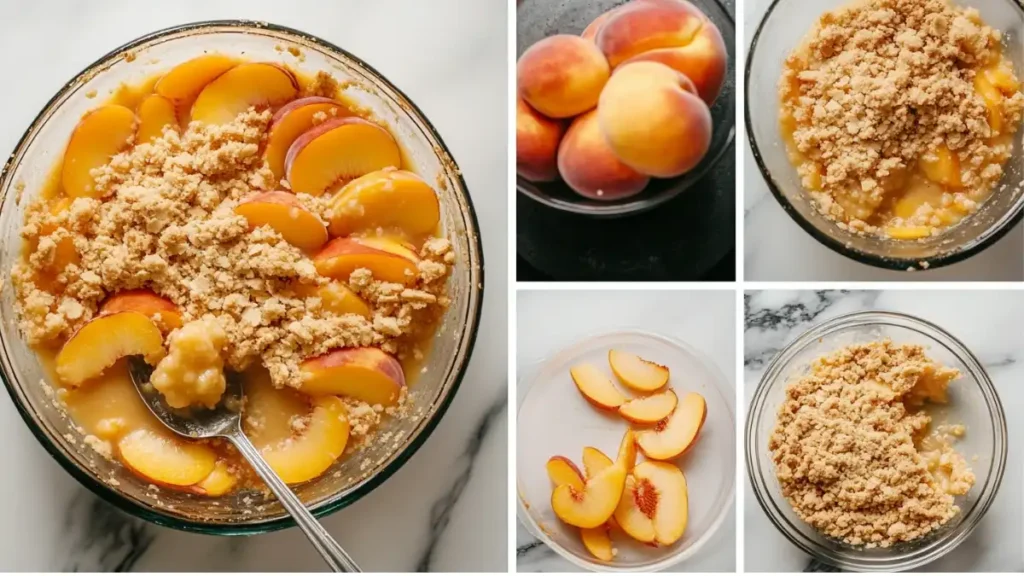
(645, 25)
(590, 32)
(388, 259)
(653, 119)
(367, 374)
(160, 310)
(537, 138)
(589, 166)
(338, 150)
(290, 122)
(562, 76)
(704, 61)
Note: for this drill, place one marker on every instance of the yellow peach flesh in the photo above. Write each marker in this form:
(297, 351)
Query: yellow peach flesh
(157, 308)
(101, 342)
(385, 198)
(651, 409)
(155, 114)
(336, 151)
(336, 298)
(596, 387)
(186, 80)
(388, 260)
(290, 122)
(258, 84)
(676, 434)
(100, 135)
(285, 214)
(366, 374)
(314, 450)
(637, 373)
(561, 470)
(165, 459)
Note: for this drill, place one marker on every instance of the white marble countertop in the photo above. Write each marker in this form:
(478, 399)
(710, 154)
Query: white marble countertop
(988, 323)
(776, 248)
(446, 509)
(548, 321)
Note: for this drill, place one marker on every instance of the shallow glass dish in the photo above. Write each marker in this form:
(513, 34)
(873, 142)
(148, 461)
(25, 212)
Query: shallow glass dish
(42, 146)
(973, 402)
(780, 31)
(555, 419)
(538, 19)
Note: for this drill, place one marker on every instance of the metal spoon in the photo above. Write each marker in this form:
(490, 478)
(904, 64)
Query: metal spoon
(225, 421)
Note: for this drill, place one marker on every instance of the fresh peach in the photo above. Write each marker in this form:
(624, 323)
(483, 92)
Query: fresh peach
(595, 461)
(336, 151)
(562, 76)
(589, 166)
(105, 339)
(366, 374)
(290, 122)
(654, 507)
(627, 450)
(321, 441)
(163, 458)
(257, 84)
(336, 298)
(99, 135)
(653, 119)
(186, 80)
(155, 113)
(596, 387)
(704, 61)
(561, 470)
(388, 259)
(651, 409)
(637, 373)
(385, 198)
(598, 542)
(160, 310)
(283, 212)
(218, 483)
(676, 434)
(942, 166)
(537, 138)
(596, 502)
(590, 32)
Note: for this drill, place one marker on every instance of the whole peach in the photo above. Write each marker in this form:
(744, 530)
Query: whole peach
(589, 166)
(562, 76)
(537, 139)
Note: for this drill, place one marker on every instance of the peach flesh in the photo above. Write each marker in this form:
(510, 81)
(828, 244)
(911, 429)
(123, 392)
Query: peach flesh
(155, 113)
(291, 121)
(537, 138)
(185, 81)
(389, 261)
(284, 213)
(101, 342)
(562, 76)
(336, 151)
(366, 374)
(589, 166)
(385, 198)
(258, 84)
(99, 135)
(159, 309)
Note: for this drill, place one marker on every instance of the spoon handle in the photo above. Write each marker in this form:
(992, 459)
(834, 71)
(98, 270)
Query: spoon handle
(332, 553)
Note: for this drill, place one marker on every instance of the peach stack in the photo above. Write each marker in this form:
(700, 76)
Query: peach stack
(627, 101)
(646, 501)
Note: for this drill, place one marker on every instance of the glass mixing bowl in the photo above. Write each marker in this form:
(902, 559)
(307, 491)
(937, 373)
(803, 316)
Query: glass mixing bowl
(42, 146)
(972, 401)
(781, 30)
(538, 19)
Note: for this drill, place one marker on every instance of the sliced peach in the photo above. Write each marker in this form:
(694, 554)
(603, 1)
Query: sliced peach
(595, 461)
(318, 445)
(270, 411)
(637, 373)
(186, 80)
(993, 99)
(388, 259)
(257, 84)
(385, 198)
(290, 122)
(676, 434)
(942, 166)
(164, 459)
(100, 135)
(598, 543)
(336, 151)
(103, 340)
(155, 114)
(218, 483)
(159, 309)
(635, 512)
(283, 212)
(367, 374)
(651, 409)
(595, 503)
(336, 298)
(561, 470)
(627, 450)
(908, 232)
(655, 505)
(596, 387)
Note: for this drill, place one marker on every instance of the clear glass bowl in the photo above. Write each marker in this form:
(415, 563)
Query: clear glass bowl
(554, 419)
(42, 146)
(782, 29)
(538, 19)
(972, 401)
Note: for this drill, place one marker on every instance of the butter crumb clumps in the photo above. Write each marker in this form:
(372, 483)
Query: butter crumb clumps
(845, 446)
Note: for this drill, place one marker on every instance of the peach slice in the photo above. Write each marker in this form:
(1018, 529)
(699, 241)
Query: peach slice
(159, 309)
(595, 503)
(676, 434)
(651, 409)
(993, 99)
(596, 387)
(627, 450)
(218, 483)
(186, 80)
(595, 461)
(155, 113)
(637, 373)
(164, 459)
(103, 340)
(99, 135)
(388, 259)
(385, 198)
(942, 166)
(338, 150)
(283, 212)
(320, 443)
(561, 470)
(290, 122)
(655, 506)
(598, 543)
(257, 84)
(336, 298)
(367, 374)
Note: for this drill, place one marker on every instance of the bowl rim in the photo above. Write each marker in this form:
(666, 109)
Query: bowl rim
(530, 524)
(879, 261)
(971, 518)
(469, 331)
(633, 205)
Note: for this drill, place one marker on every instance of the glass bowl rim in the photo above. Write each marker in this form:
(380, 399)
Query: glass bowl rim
(971, 518)
(879, 261)
(470, 330)
(636, 205)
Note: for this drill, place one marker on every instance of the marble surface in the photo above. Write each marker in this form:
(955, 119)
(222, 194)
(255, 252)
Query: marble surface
(703, 319)
(988, 323)
(446, 509)
(776, 248)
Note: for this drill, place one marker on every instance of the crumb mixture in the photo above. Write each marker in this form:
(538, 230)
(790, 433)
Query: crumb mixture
(883, 84)
(165, 221)
(846, 446)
